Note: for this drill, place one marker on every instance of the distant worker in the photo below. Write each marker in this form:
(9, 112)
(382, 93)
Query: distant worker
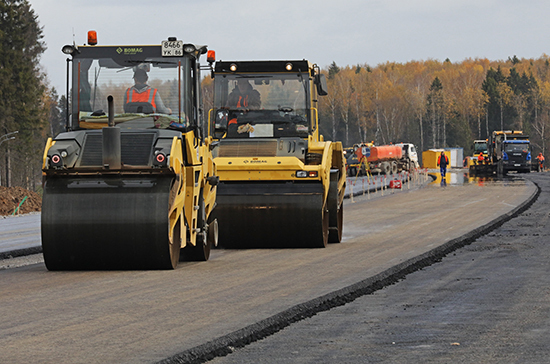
(442, 162)
(480, 158)
(540, 162)
(143, 94)
(244, 96)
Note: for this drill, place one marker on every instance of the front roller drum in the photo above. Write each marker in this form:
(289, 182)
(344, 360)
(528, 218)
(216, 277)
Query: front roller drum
(271, 215)
(108, 223)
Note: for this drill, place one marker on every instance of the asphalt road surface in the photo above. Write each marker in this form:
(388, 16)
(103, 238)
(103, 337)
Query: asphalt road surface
(18, 233)
(202, 310)
(488, 302)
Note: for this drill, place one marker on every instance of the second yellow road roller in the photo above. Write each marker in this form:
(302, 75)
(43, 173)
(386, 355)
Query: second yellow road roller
(281, 184)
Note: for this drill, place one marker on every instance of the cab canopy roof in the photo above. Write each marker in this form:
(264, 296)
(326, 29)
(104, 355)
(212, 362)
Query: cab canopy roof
(262, 66)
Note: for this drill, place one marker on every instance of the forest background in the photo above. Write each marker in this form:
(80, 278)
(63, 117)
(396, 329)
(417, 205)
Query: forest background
(430, 103)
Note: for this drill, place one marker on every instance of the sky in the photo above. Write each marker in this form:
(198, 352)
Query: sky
(347, 32)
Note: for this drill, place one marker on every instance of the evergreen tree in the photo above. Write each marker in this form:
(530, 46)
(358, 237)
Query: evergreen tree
(515, 60)
(435, 111)
(497, 111)
(333, 70)
(21, 86)
(57, 115)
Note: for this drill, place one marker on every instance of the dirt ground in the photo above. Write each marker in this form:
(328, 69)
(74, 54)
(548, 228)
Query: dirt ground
(11, 197)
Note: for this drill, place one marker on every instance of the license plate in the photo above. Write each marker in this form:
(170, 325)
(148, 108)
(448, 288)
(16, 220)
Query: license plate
(172, 48)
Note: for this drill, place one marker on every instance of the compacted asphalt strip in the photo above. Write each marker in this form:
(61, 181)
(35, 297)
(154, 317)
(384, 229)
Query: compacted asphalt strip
(20, 235)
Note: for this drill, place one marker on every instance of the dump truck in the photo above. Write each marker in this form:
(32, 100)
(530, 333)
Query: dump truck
(509, 150)
(281, 184)
(387, 159)
(131, 183)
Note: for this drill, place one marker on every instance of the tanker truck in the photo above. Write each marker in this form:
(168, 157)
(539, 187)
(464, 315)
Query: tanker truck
(386, 159)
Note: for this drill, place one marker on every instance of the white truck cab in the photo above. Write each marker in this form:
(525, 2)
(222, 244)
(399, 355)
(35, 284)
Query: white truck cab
(409, 151)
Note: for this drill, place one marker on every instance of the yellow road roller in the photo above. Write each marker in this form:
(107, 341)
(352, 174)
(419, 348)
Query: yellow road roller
(131, 184)
(281, 184)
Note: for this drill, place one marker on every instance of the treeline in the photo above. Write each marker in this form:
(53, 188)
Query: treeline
(24, 97)
(437, 104)
(430, 103)
(30, 110)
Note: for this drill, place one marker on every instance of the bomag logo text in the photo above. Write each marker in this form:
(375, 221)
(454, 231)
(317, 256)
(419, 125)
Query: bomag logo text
(134, 50)
(255, 161)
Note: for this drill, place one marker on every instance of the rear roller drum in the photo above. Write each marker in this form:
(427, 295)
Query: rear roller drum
(196, 253)
(320, 239)
(325, 232)
(335, 210)
(335, 232)
(175, 245)
(200, 252)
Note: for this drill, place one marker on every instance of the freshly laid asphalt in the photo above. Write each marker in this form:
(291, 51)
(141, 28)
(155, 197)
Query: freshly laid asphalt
(488, 302)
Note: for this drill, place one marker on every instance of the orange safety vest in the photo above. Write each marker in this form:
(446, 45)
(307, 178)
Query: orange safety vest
(244, 100)
(133, 96)
(244, 104)
(480, 157)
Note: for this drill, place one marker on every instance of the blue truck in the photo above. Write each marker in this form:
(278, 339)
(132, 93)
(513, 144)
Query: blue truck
(509, 151)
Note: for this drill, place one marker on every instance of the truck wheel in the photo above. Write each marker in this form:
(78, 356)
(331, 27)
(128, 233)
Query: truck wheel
(386, 168)
(394, 167)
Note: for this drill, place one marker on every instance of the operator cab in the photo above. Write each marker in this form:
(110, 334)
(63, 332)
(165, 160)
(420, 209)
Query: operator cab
(250, 103)
(150, 85)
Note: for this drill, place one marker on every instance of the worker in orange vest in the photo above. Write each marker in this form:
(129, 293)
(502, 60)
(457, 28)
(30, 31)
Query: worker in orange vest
(442, 162)
(243, 97)
(540, 159)
(143, 93)
(480, 158)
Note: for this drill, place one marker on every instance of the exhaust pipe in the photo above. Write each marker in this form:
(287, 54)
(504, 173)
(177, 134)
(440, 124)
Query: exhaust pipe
(111, 140)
